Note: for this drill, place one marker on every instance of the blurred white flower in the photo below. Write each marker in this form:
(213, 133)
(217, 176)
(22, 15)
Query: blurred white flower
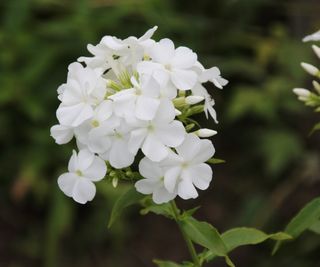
(84, 169)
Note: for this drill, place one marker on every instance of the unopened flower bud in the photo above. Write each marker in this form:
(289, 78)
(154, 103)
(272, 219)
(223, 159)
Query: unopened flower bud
(312, 70)
(115, 182)
(194, 99)
(316, 86)
(177, 112)
(316, 49)
(205, 132)
(302, 93)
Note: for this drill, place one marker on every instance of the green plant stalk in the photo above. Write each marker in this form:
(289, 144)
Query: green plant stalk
(189, 243)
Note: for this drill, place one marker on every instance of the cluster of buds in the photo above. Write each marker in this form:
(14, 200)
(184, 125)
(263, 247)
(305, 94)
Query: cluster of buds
(133, 99)
(311, 98)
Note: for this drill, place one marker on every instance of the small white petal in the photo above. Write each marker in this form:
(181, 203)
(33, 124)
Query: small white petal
(84, 191)
(67, 183)
(150, 169)
(161, 195)
(184, 58)
(186, 190)
(96, 171)
(183, 79)
(61, 134)
(171, 178)
(154, 149)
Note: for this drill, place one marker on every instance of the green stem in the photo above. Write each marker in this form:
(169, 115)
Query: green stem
(188, 241)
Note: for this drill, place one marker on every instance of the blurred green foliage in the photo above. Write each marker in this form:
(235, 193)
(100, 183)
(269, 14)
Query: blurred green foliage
(272, 168)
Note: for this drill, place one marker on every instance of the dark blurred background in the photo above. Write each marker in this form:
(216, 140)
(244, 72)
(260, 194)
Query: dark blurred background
(272, 166)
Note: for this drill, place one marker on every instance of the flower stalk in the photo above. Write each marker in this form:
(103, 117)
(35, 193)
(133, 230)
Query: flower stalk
(189, 243)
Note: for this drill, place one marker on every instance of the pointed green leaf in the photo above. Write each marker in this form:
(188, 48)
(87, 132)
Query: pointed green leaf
(249, 236)
(129, 198)
(159, 209)
(244, 236)
(306, 217)
(315, 227)
(205, 235)
(315, 128)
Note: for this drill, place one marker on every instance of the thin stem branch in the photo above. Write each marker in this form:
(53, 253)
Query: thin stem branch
(188, 241)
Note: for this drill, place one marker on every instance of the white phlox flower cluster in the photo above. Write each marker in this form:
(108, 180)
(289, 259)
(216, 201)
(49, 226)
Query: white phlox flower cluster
(136, 96)
(311, 98)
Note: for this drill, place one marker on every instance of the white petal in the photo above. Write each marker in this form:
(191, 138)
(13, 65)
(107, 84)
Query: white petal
(85, 159)
(120, 156)
(190, 147)
(73, 165)
(146, 186)
(146, 107)
(148, 67)
(96, 171)
(136, 139)
(149, 86)
(67, 182)
(84, 191)
(172, 135)
(161, 195)
(206, 151)
(166, 117)
(74, 115)
(148, 34)
(113, 43)
(104, 110)
(184, 58)
(183, 79)
(61, 134)
(150, 169)
(186, 190)
(154, 149)
(201, 175)
(171, 178)
(163, 51)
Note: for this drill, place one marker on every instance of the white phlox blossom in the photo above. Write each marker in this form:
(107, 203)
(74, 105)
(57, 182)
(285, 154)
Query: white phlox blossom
(132, 99)
(84, 169)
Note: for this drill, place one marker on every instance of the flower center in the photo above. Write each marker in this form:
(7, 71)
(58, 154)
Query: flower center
(79, 173)
(184, 165)
(95, 123)
(167, 67)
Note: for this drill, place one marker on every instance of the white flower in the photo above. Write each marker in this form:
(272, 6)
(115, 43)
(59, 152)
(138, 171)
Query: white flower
(153, 182)
(176, 62)
(83, 90)
(186, 169)
(155, 136)
(312, 37)
(142, 100)
(84, 169)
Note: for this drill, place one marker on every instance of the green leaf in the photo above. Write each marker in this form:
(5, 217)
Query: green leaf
(166, 263)
(159, 209)
(315, 128)
(249, 236)
(129, 198)
(216, 161)
(306, 218)
(242, 236)
(315, 227)
(207, 236)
